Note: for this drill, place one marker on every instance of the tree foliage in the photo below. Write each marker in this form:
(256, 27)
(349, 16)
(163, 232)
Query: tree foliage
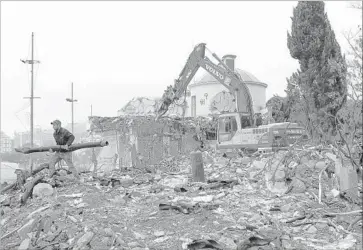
(318, 90)
(355, 57)
(350, 116)
(279, 108)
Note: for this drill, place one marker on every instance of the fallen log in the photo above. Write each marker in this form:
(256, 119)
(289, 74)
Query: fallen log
(29, 188)
(40, 168)
(10, 186)
(21, 176)
(58, 148)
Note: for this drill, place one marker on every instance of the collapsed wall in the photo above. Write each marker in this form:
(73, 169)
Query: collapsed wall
(152, 140)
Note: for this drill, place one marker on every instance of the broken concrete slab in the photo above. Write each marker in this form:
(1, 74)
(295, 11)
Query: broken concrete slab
(25, 229)
(206, 199)
(84, 241)
(5, 200)
(25, 244)
(312, 230)
(173, 182)
(42, 189)
(347, 175)
(278, 187)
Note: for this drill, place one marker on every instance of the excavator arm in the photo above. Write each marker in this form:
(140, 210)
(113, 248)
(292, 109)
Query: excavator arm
(231, 80)
(191, 67)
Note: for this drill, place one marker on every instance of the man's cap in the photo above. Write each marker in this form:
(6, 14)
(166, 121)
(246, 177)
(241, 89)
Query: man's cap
(56, 122)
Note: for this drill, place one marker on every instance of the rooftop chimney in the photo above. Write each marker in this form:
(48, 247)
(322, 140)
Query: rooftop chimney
(229, 61)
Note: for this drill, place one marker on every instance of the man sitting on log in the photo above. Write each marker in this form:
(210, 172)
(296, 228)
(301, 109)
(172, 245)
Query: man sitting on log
(64, 138)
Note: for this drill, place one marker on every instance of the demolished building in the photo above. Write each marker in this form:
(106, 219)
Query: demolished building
(142, 139)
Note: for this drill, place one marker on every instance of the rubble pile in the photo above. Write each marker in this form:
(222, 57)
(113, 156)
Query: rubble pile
(101, 124)
(284, 200)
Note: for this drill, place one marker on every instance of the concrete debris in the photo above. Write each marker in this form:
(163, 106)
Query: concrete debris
(62, 172)
(4, 200)
(266, 201)
(159, 233)
(84, 241)
(42, 189)
(206, 199)
(25, 244)
(173, 182)
(312, 230)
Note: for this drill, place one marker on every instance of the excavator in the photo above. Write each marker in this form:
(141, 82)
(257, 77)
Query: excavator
(240, 129)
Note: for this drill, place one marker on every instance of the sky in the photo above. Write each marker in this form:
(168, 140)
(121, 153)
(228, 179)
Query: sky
(114, 51)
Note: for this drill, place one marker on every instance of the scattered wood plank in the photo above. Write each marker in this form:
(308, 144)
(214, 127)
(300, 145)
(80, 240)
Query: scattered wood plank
(344, 213)
(354, 222)
(10, 233)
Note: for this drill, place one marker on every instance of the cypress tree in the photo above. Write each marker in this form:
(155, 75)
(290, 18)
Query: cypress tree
(321, 81)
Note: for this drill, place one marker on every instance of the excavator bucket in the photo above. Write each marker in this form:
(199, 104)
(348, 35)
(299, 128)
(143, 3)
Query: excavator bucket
(162, 111)
(166, 100)
(175, 92)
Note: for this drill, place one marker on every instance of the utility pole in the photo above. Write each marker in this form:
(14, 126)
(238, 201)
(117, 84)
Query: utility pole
(31, 62)
(71, 100)
(94, 158)
(92, 131)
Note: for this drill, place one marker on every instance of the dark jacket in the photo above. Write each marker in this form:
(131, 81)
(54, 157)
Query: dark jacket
(63, 137)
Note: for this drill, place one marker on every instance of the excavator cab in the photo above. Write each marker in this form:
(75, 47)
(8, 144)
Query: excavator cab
(229, 127)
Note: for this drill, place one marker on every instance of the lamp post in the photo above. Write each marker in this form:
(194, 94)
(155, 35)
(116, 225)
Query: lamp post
(71, 100)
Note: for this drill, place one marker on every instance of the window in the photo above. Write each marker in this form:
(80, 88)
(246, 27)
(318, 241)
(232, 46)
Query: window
(234, 123)
(194, 106)
(228, 124)
(211, 135)
(245, 122)
(227, 128)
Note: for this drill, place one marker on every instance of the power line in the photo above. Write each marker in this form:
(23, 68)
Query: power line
(25, 106)
(25, 127)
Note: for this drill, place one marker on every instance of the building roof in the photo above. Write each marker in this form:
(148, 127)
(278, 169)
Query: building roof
(246, 77)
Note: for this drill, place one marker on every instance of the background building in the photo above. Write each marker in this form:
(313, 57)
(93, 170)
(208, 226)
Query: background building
(208, 95)
(6, 143)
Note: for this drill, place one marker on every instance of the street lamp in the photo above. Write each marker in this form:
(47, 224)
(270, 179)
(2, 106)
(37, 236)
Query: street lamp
(71, 100)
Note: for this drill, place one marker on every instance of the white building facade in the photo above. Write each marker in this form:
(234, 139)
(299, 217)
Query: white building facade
(209, 96)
